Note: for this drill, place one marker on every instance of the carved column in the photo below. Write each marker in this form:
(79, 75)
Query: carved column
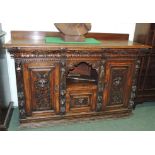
(100, 85)
(134, 85)
(63, 82)
(20, 90)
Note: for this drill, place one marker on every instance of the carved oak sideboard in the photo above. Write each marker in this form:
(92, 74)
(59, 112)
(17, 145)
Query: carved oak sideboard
(59, 81)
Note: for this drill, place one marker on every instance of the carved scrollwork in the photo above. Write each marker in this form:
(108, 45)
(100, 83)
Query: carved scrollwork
(86, 54)
(121, 52)
(28, 60)
(92, 64)
(34, 53)
(118, 78)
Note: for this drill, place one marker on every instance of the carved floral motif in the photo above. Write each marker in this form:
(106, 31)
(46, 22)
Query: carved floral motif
(117, 86)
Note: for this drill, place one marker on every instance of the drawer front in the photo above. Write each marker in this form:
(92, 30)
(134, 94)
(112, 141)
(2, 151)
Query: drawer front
(77, 101)
(80, 101)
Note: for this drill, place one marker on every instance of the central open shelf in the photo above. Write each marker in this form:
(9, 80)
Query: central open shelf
(82, 73)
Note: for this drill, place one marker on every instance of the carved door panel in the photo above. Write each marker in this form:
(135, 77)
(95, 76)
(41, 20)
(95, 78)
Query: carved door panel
(118, 84)
(41, 86)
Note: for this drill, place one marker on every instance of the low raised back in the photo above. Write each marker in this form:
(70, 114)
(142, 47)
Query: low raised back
(31, 35)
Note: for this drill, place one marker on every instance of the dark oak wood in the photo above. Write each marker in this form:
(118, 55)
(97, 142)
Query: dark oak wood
(145, 33)
(59, 81)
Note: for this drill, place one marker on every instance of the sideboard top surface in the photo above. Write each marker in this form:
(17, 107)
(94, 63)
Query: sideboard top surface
(35, 39)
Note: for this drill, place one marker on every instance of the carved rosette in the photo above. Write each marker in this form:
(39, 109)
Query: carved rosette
(134, 85)
(20, 89)
(63, 83)
(100, 85)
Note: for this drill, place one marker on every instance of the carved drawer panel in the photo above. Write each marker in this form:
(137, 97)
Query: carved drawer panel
(81, 98)
(77, 100)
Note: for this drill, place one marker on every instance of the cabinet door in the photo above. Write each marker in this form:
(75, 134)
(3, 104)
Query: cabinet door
(41, 86)
(118, 83)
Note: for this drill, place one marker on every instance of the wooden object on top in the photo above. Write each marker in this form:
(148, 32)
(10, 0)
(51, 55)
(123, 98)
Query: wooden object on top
(73, 31)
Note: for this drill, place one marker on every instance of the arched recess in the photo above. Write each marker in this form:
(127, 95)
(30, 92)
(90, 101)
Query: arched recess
(83, 69)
